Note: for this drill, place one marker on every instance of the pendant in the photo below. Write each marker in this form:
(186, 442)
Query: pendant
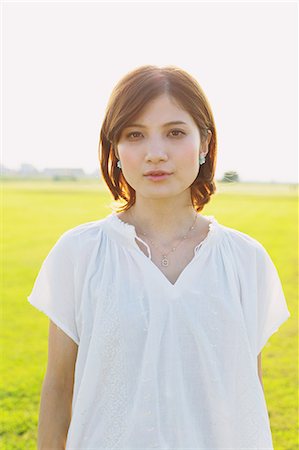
(164, 262)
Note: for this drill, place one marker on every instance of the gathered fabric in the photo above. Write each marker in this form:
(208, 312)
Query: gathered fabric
(163, 365)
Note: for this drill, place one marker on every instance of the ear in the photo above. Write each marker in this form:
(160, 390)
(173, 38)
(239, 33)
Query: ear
(114, 150)
(204, 147)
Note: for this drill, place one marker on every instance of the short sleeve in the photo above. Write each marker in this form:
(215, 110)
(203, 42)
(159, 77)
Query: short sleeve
(53, 291)
(272, 309)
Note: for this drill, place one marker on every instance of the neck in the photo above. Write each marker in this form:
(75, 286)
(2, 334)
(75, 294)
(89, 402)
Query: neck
(165, 222)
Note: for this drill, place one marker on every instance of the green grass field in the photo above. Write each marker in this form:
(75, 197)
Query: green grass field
(36, 213)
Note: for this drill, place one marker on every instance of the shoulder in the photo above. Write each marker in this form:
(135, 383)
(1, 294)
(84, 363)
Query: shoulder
(248, 256)
(85, 229)
(241, 243)
(80, 237)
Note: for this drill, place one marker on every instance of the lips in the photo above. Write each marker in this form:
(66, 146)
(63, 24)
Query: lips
(156, 173)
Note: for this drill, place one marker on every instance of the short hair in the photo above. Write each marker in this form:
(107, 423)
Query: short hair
(128, 98)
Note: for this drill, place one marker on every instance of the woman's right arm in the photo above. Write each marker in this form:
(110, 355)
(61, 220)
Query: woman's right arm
(57, 391)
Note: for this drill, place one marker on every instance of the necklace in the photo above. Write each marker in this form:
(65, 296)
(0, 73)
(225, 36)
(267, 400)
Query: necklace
(165, 260)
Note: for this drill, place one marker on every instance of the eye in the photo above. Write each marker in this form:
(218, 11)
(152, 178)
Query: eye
(133, 134)
(180, 132)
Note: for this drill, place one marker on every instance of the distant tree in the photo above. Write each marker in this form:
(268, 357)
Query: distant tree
(230, 176)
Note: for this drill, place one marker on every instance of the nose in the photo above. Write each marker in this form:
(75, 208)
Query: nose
(156, 151)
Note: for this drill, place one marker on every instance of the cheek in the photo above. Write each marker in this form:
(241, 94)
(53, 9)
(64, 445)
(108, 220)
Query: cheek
(189, 155)
(129, 157)
(131, 165)
(189, 163)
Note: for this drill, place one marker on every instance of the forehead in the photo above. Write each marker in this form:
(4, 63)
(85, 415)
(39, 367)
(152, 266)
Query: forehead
(163, 109)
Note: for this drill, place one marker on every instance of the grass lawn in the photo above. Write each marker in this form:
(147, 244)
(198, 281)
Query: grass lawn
(36, 213)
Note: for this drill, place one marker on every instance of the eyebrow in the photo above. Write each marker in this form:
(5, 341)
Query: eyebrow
(176, 122)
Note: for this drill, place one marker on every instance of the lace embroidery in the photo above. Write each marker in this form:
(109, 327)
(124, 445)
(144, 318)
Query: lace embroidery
(113, 390)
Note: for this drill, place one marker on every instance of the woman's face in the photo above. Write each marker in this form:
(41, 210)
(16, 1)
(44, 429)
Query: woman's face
(163, 137)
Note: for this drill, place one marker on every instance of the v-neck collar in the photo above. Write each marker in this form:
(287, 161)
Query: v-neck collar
(126, 234)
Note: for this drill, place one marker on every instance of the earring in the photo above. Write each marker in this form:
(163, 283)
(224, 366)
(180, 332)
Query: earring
(119, 164)
(202, 159)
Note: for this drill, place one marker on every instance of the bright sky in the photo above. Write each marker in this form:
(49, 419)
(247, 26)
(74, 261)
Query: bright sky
(62, 59)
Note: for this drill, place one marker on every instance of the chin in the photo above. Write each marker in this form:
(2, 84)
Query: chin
(161, 193)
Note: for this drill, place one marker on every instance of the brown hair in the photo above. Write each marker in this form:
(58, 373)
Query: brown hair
(128, 98)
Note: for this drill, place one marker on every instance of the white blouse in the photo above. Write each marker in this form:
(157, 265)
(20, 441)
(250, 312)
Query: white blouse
(162, 365)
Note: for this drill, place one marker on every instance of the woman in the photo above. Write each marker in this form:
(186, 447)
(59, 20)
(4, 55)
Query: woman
(162, 311)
